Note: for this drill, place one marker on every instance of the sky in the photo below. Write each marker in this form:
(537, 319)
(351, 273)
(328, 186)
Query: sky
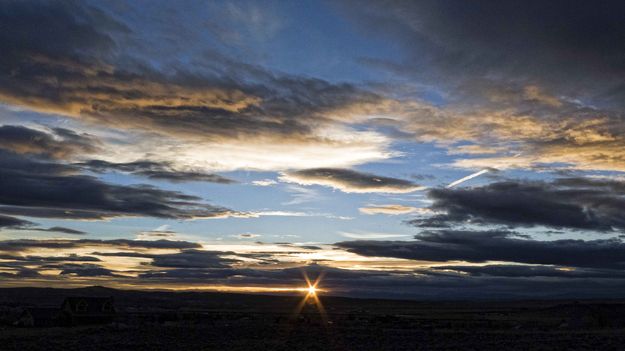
(432, 149)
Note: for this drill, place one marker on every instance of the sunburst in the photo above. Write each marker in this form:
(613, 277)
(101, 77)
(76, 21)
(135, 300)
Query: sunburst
(312, 295)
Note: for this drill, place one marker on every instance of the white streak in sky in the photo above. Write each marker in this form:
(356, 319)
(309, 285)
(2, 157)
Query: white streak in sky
(470, 176)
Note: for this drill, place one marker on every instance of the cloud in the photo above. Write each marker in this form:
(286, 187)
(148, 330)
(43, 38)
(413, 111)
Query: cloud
(573, 203)
(56, 143)
(151, 234)
(35, 188)
(142, 264)
(516, 136)
(12, 222)
(505, 246)
(255, 214)
(300, 195)
(582, 139)
(390, 284)
(186, 258)
(289, 277)
(371, 236)
(474, 48)
(29, 244)
(264, 182)
(393, 209)
(503, 79)
(162, 232)
(84, 85)
(63, 230)
(246, 236)
(225, 114)
(41, 260)
(85, 270)
(350, 181)
(220, 115)
(50, 67)
(21, 273)
(154, 170)
(516, 271)
(193, 259)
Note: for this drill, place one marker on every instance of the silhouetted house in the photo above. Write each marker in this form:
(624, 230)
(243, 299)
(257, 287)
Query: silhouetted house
(39, 317)
(88, 310)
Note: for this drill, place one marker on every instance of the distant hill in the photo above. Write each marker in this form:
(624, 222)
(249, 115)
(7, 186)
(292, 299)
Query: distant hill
(255, 302)
(177, 299)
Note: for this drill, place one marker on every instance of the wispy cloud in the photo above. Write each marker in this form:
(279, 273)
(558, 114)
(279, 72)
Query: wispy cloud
(350, 181)
(246, 236)
(264, 182)
(300, 194)
(392, 209)
(372, 236)
(296, 214)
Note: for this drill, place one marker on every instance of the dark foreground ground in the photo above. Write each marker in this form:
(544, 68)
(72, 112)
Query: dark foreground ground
(213, 321)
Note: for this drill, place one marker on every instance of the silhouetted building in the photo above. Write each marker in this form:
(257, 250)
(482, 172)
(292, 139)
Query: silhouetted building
(39, 317)
(88, 310)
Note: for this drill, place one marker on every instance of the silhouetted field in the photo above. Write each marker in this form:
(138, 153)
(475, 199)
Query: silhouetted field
(216, 321)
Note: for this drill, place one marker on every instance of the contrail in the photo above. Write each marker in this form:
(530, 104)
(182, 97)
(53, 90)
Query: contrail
(471, 176)
(477, 174)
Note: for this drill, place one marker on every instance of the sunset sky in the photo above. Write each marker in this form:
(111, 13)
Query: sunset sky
(406, 149)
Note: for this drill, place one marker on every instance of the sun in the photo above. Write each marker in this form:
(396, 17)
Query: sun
(312, 296)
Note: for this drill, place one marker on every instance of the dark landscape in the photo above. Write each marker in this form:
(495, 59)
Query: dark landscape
(165, 320)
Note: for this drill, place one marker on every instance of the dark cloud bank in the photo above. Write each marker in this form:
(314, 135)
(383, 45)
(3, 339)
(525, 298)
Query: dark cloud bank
(63, 57)
(570, 203)
(38, 188)
(154, 170)
(59, 144)
(559, 269)
(573, 48)
(37, 181)
(508, 258)
(484, 246)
